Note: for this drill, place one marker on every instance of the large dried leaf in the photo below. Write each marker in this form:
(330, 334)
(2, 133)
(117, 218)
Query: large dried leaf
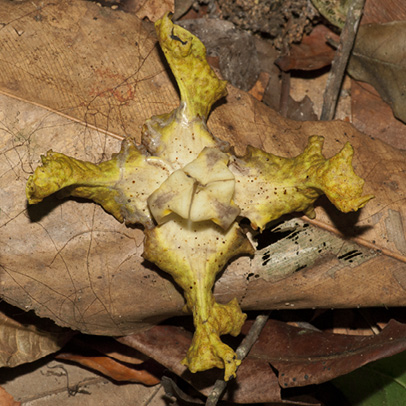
(385, 126)
(304, 357)
(66, 45)
(255, 382)
(300, 356)
(74, 263)
(378, 58)
(25, 337)
(378, 11)
(375, 11)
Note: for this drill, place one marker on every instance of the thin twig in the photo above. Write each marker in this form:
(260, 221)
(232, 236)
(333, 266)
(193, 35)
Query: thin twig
(242, 351)
(285, 92)
(340, 61)
(285, 76)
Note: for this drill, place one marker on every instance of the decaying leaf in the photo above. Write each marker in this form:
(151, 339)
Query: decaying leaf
(256, 382)
(327, 355)
(377, 11)
(25, 337)
(284, 356)
(151, 9)
(196, 190)
(385, 126)
(6, 399)
(112, 368)
(379, 59)
(312, 53)
(107, 356)
(107, 346)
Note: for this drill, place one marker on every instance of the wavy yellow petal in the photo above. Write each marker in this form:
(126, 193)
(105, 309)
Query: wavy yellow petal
(198, 84)
(121, 185)
(269, 186)
(337, 179)
(181, 135)
(193, 253)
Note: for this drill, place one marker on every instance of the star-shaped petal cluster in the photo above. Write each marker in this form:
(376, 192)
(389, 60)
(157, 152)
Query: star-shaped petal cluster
(201, 190)
(190, 191)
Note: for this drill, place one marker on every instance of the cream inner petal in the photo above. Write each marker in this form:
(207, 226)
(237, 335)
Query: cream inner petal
(202, 190)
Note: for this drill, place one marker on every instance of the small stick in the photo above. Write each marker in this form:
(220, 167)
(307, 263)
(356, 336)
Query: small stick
(285, 78)
(285, 92)
(242, 351)
(340, 61)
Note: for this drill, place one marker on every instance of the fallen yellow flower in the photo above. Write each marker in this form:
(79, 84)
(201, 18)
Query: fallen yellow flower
(190, 191)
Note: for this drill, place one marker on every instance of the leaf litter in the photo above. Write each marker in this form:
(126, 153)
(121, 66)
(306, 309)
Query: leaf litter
(188, 180)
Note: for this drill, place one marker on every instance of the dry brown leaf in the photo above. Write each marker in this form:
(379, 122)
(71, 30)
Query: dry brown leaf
(110, 348)
(111, 368)
(255, 382)
(24, 337)
(259, 87)
(6, 399)
(300, 356)
(305, 357)
(378, 11)
(301, 110)
(151, 9)
(365, 103)
(378, 58)
(312, 53)
(62, 79)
